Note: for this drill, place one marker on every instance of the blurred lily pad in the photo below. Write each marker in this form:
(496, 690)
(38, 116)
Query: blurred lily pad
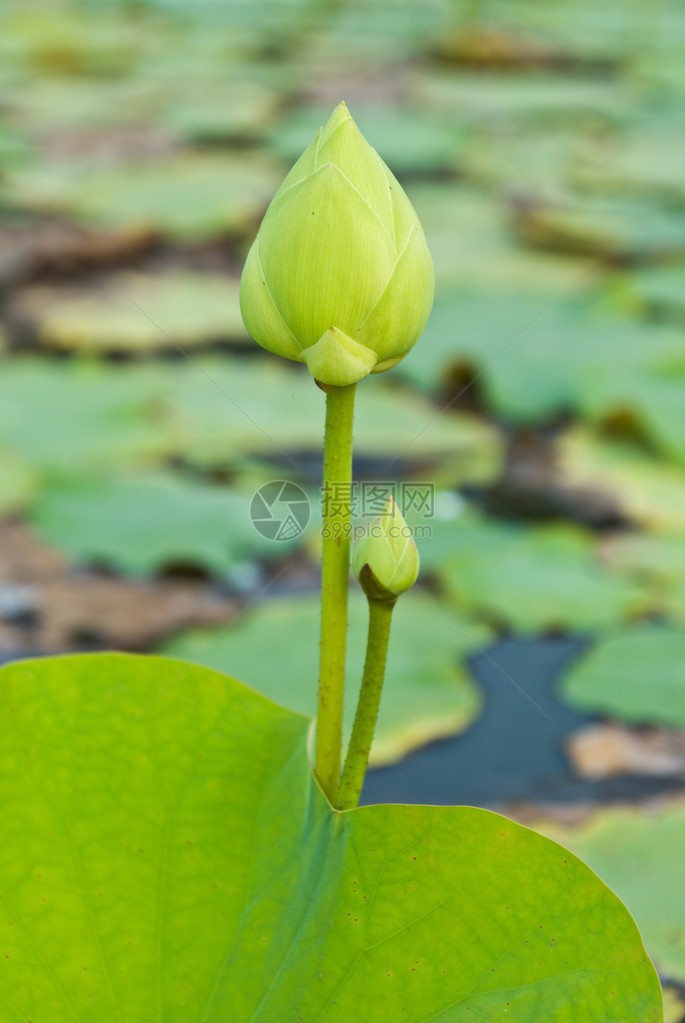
(53, 106)
(615, 363)
(661, 67)
(221, 110)
(674, 1006)
(471, 243)
(263, 406)
(648, 403)
(639, 855)
(473, 332)
(212, 412)
(186, 85)
(67, 40)
(521, 159)
(395, 423)
(475, 42)
(661, 290)
(266, 18)
(636, 675)
(535, 355)
(15, 148)
(140, 524)
(659, 556)
(646, 161)
(185, 197)
(652, 493)
(57, 416)
(428, 692)
(528, 579)
(661, 410)
(17, 483)
(137, 312)
(360, 32)
(657, 561)
(585, 30)
(538, 98)
(626, 229)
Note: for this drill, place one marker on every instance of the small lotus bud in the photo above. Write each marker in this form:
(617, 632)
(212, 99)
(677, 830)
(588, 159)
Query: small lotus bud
(386, 561)
(339, 276)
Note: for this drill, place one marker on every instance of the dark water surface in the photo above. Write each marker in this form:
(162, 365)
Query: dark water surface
(515, 751)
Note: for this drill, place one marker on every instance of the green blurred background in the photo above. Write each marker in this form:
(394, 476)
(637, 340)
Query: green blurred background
(543, 145)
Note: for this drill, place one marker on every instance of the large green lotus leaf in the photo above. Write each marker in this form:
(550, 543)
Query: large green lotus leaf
(471, 242)
(408, 141)
(138, 313)
(268, 407)
(428, 691)
(57, 416)
(640, 854)
(634, 675)
(530, 578)
(17, 482)
(180, 865)
(139, 524)
(186, 197)
(650, 492)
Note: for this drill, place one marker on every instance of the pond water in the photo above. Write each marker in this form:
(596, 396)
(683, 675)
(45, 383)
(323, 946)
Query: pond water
(514, 752)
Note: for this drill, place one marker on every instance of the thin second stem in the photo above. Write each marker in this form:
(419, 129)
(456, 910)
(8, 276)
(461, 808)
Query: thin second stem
(380, 617)
(335, 570)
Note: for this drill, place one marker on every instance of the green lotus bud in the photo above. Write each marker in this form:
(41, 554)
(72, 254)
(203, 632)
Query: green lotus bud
(386, 560)
(339, 276)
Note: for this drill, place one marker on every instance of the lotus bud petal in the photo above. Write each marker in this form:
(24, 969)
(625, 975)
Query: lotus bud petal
(339, 276)
(386, 560)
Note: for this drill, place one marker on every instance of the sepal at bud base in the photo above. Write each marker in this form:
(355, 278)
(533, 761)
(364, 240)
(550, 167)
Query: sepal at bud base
(386, 561)
(338, 360)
